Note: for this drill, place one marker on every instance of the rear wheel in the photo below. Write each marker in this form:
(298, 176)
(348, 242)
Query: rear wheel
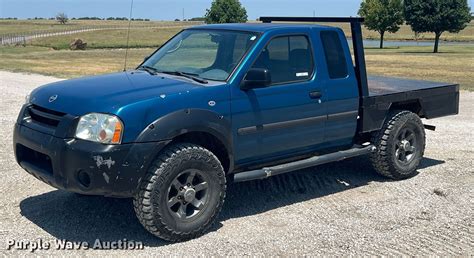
(183, 193)
(400, 145)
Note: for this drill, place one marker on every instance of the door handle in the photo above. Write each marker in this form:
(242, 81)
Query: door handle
(315, 94)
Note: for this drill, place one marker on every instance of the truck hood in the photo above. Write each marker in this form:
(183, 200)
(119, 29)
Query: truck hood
(107, 93)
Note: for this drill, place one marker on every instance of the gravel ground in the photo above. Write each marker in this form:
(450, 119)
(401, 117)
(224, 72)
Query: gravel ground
(335, 209)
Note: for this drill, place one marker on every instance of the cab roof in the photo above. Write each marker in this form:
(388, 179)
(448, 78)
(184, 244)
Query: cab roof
(258, 27)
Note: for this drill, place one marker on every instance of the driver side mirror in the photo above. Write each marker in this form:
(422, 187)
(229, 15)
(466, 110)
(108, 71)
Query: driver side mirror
(256, 78)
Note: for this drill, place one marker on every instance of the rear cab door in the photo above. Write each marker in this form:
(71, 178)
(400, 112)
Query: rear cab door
(339, 82)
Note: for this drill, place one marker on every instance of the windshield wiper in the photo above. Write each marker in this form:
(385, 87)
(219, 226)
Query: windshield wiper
(191, 76)
(151, 70)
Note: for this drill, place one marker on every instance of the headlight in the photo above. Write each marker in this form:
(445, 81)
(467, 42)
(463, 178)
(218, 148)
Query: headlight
(101, 128)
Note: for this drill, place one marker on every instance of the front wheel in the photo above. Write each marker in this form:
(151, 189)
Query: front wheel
(182, 194)
(400, 145)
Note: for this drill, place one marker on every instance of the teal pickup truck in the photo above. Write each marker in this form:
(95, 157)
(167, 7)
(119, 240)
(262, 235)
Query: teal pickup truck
(224, 103)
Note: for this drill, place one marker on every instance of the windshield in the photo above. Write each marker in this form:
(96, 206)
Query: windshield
(207, 54)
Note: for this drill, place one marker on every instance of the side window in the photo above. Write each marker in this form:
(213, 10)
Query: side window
(335, 56)
(289, 59)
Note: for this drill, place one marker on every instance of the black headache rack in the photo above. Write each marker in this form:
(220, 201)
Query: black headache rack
(357, 42)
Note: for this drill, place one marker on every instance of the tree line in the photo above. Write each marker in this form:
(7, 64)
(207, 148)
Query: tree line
(436, 16)
(62, 18)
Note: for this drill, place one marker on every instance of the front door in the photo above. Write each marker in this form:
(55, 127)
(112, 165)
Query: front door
(287, 117)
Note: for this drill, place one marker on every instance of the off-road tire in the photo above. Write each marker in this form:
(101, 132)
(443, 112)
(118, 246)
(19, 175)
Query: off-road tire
(151, 201)
(384, 159)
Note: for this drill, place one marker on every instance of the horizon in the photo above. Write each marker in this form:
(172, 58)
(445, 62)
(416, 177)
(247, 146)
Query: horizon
(145, 9)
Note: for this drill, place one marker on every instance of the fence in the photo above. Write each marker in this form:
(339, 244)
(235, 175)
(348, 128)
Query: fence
(15, 39)
(23, 38)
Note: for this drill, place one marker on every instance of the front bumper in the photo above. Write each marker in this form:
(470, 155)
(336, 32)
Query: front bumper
(82, 166)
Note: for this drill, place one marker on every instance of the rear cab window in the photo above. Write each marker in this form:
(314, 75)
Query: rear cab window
(334, 54)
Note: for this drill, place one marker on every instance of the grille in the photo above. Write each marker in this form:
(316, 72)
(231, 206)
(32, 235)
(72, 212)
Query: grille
(37, 159)
(45, 116)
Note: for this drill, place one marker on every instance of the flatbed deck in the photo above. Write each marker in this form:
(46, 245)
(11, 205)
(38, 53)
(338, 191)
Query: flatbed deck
(379, 85)
(425, 98)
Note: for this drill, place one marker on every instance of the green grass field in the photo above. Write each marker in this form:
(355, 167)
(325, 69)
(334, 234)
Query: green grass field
(66, 63)
(139, 38)
(453, 64)
(106, 53)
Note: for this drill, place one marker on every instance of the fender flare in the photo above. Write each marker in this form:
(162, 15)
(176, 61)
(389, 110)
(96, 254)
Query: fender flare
(180, 122)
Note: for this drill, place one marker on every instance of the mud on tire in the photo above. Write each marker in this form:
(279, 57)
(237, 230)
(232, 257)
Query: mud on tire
(182, 194)
(400, 145)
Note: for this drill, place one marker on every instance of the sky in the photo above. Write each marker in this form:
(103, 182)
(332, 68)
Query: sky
(172, 9)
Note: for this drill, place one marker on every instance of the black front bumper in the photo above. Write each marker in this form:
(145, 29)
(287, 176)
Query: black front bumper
(82, 166)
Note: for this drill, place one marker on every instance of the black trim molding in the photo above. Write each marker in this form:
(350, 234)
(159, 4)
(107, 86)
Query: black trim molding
(279, 125)
(297, 122)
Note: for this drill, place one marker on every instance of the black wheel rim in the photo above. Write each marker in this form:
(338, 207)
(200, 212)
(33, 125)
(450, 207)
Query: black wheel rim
(188, 194)
(405, 149)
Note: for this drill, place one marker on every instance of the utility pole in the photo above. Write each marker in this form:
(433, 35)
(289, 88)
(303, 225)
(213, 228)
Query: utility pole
(183, 14)
(314, 13)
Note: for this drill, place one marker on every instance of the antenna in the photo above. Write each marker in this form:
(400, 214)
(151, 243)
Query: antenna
(128, 36)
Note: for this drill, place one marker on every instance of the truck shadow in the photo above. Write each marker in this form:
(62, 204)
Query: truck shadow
(71, 217)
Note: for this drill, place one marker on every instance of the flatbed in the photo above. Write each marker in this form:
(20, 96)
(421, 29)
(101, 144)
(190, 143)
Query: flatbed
(428, 99)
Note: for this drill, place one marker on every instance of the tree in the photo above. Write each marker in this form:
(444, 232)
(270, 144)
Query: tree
(62, 18)
(226, 11)
(437, 16)
(382, 16)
